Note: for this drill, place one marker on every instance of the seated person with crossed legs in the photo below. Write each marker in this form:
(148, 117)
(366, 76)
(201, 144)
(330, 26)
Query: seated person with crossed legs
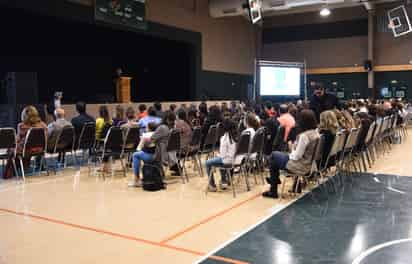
(299, 161)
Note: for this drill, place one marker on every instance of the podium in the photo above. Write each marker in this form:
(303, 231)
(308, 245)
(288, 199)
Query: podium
(123, 89)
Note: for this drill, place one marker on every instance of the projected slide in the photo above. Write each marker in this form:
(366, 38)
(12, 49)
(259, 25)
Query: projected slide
(279, 81)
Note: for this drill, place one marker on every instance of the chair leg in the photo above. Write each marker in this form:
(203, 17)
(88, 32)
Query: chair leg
(14, 167)
(230, 175)
(22, 168)
(123, 166)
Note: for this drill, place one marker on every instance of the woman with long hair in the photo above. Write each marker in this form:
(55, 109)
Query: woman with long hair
(226, 155)
(30, 118)
(328, 127)
(103, 123)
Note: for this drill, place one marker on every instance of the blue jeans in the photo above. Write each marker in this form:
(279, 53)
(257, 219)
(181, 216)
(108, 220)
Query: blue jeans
(215, 162)
(278, 161)
(137, 157)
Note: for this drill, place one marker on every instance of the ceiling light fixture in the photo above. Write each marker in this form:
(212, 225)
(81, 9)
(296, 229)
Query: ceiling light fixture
(325, 12)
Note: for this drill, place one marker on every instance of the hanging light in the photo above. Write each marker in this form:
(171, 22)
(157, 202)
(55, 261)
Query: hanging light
(325, 12)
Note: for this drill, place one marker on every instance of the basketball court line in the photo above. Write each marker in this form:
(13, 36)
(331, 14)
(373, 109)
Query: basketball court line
(123, 236)
(209, 219)
(276, 211)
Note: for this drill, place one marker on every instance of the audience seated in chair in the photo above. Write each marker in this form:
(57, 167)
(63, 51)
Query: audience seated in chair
(142, 112)
(55, 128)
(83, 118)
(103, 123)
(131, 118)
(183, 125)
(145, 152)
(119, 118)
(158, 109)
(328, 127)
(30, 118)
(226, 155)
(299, 161)
(150, 118)
(286, 120)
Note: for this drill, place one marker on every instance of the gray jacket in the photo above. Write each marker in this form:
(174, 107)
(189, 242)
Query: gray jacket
(160, 137)
(54, 130)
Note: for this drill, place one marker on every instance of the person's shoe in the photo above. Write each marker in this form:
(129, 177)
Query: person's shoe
(224, 185)
(212, 188)
(135, 184)
(270, 194)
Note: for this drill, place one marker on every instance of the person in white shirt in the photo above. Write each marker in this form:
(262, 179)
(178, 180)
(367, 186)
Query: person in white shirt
(226, 155)
(299, 161)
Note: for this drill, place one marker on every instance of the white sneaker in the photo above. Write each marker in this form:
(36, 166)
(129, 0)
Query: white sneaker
(135, 184)
(224, 185)
(212, 188)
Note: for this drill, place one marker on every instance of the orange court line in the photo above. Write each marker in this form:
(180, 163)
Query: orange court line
(207, 220)
(136, 239)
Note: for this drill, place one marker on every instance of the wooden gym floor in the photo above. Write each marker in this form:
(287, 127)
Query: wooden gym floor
(72, 217)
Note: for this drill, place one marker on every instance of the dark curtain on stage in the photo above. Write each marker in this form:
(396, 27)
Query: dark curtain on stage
(80, 59)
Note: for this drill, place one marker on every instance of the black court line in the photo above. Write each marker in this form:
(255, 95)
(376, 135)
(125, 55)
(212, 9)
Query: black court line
(367, 211)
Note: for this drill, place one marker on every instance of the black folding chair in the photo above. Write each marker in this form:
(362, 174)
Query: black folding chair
(279, 143)
(65, 140)
(35, 145)
(242, 150)
(255, 153)
(112, 146)
(173, 146)
(192, 150)
(131, 141)
(86, 141)
(8, 147)
(210, 142)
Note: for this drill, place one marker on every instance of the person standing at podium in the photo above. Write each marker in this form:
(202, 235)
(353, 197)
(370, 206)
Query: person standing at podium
(116, 79)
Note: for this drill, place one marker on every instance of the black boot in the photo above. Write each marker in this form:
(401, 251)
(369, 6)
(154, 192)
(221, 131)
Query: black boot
(175, 170)
(272, 193)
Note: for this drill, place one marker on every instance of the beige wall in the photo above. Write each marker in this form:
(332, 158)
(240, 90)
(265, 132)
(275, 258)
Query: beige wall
(227, 43)
(340, 52)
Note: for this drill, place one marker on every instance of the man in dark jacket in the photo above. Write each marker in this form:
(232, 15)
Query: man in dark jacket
(322, 101)
(83, 118)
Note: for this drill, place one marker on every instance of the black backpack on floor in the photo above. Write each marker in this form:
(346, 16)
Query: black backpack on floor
(152, 177)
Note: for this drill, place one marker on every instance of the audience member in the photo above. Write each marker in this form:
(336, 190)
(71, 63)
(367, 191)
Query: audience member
(184, 126)
(118, 118)
(202, 112)
(286, 120)
(131, 118)
(322, 101)
(145, 152)
(150, 118)
(30, 118)
(79, 121)
(328, 127)
(172, 108)
(299, 161)
(56, 127)
(158, 109)
(226, 156)
(103, 123)
(269, 109)
(142, 111)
